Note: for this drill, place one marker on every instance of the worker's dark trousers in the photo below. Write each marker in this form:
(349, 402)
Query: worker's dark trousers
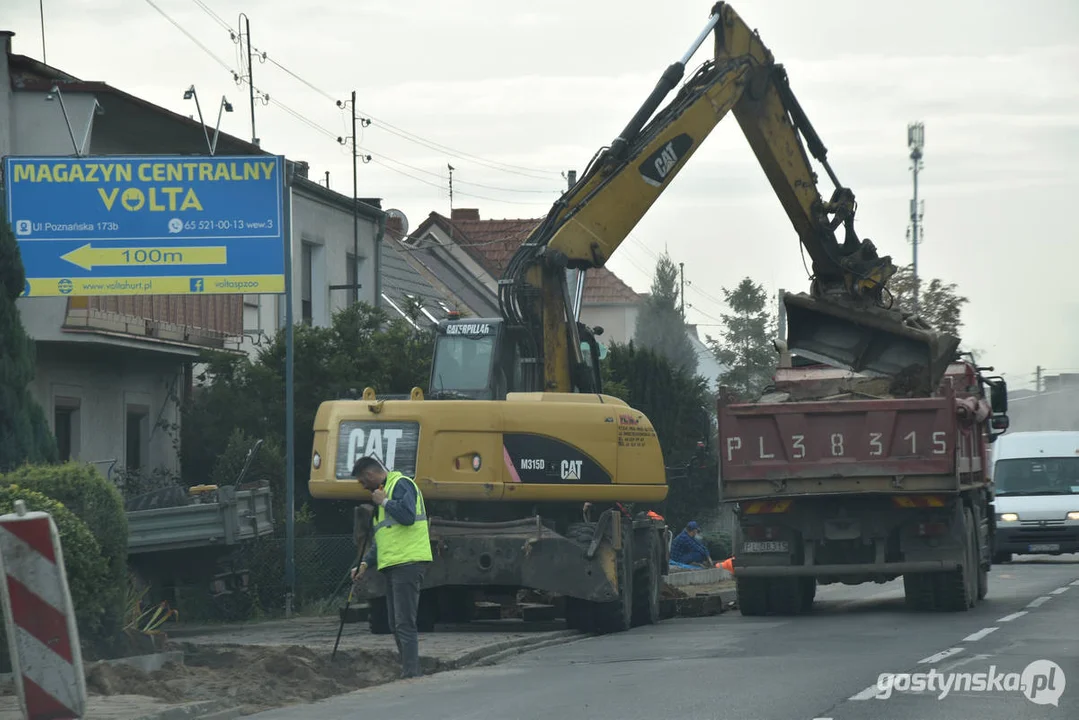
(402, 604)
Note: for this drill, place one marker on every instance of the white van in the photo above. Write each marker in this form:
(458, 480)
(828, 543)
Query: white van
(1036, 483)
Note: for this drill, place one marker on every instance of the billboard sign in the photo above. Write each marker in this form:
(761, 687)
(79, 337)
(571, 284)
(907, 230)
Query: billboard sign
(148, 225)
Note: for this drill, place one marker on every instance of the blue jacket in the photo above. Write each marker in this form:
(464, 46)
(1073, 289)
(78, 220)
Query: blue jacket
(688, 550)
(401, 507)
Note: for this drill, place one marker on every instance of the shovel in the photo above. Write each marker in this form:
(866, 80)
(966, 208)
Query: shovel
(360, 523)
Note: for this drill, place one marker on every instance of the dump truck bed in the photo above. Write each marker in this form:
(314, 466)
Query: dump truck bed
(844, 446)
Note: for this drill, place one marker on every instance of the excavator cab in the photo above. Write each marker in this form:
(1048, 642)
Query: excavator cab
(482, 359)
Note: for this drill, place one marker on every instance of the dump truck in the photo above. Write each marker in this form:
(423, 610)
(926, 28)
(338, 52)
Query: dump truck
(834, 477)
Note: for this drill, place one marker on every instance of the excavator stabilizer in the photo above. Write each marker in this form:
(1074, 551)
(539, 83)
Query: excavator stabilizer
(868, 339)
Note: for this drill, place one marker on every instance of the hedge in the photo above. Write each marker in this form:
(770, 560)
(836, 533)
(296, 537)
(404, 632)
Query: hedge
(87, 572)
(96, 502)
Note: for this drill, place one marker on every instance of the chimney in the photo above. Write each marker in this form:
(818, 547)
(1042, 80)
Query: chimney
(465, 214)
(7, 111)
(303, 168)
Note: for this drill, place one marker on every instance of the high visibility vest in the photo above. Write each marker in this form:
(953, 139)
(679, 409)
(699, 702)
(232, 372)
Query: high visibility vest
(396, 544)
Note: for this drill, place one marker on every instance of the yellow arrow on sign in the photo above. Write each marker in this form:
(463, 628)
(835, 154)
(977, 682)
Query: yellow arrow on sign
(88, 257)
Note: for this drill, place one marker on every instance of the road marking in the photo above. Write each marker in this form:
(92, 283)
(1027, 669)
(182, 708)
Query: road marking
(1013, 616)
(980, 634)
(1075, 584)
(868, 694)
(1038, 602)
(940, 656)
(1060, 590)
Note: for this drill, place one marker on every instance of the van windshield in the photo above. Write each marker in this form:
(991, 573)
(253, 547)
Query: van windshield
(1037, 476)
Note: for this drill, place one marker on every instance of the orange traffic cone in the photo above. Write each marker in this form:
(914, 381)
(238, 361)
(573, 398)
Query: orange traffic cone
(727, 565)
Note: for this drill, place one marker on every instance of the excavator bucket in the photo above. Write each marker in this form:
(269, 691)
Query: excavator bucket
(868, 340)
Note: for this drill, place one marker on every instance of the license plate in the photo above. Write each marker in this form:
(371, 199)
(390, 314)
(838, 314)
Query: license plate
(772, 546)
(1045, 547)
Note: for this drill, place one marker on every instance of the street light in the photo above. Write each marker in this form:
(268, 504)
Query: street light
(224, 107)
(55, 94)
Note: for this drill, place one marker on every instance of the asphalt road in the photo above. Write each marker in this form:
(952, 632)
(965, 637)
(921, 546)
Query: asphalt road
(823, 665)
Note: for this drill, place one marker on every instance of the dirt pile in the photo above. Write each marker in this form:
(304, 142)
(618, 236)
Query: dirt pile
(253, 678)
(669, 592)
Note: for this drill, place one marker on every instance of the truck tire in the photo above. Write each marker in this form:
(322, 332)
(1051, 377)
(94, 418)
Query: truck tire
(617, 615)
(809, 592)
(785, 595)
(919, 591)
(646, 586)
(752, 596)
(957, 590)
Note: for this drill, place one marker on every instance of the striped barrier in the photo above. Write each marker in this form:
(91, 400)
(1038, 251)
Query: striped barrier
(43, 639)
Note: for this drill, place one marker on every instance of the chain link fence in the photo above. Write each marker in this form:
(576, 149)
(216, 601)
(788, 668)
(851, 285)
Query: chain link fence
(249, 583)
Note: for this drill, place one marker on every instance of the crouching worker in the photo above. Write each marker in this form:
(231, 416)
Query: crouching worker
(401, 546)
(687, 548)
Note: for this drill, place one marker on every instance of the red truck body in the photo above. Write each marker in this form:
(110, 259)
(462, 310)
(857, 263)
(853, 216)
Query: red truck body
(831, 484)
(914, 444)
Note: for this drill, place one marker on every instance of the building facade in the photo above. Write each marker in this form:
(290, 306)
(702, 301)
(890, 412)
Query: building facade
(112, 372)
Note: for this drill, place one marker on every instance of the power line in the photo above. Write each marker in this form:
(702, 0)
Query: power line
(190, 37)
(389, 127)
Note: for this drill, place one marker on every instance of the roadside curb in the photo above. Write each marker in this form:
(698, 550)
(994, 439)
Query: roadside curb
(491, 654)
(199, 710)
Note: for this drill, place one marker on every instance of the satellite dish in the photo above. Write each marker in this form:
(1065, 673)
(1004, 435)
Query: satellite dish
(395, 214)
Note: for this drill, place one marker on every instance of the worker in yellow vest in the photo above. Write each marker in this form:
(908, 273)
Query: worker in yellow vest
(401, 546)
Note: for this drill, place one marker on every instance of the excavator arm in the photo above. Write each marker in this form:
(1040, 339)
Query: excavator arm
(844, 320)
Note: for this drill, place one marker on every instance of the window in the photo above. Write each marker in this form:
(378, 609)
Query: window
(1037, 476)
(137, 437)
(462, 363)
(66, 427)
(305, 283)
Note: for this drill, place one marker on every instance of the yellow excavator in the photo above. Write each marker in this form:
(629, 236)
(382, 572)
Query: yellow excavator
(516, 441)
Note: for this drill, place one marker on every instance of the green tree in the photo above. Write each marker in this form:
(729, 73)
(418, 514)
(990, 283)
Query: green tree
(939, 303)
(24, 429)
(660, 326)
(362, 347)
(746, 348)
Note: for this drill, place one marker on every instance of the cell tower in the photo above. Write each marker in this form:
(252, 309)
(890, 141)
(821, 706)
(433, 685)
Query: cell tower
(915, 142)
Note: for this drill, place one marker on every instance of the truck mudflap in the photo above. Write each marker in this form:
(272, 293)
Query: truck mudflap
(521, 553)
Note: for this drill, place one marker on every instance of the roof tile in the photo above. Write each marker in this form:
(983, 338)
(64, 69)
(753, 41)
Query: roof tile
(493, 242)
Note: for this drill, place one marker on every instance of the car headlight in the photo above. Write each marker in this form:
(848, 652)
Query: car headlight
(1074, 515)
(1009, 517)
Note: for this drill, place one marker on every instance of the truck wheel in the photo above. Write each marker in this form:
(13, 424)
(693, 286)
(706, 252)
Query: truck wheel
(919, 591)
(377, 616)
(752, 596)
(809, 592)
(785, 595)
(617, 615)
(957, 590)
(646, 588)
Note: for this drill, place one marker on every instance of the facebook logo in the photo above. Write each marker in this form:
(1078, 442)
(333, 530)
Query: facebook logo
(196, 285)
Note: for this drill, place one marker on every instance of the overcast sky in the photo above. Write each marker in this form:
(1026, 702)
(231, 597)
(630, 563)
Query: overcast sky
(514, 94)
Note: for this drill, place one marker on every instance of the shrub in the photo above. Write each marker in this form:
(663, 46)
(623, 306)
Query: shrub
(268, 464)
(89, 496)
(87, 571)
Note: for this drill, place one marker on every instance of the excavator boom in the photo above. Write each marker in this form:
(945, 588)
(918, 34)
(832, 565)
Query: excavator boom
(845, 319)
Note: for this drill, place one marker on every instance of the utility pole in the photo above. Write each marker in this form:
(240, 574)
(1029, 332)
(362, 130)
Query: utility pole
(250, 77)
(354, 138)
(682, 289)
(451, 187)
(327, 179)
(915, 142)
(41, 7)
